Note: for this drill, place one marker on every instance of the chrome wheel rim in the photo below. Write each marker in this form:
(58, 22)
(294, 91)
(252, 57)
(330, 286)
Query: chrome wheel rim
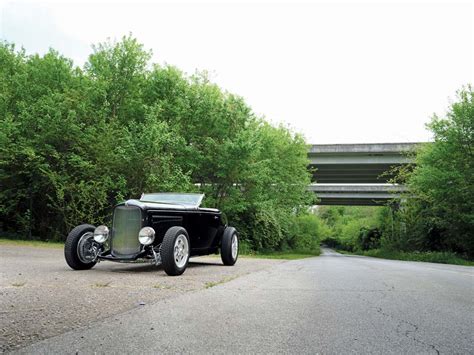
(87, 248)
(235, 246)
(181, 250)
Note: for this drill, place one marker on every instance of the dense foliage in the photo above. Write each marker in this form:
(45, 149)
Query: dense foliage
(352, 228)
(75, 141)
(441, 216)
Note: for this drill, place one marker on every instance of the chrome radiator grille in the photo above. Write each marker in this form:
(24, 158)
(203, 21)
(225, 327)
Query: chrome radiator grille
(126, 225)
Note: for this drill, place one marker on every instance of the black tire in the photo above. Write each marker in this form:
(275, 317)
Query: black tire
(167, 251)
(70, 248)
(226, 246)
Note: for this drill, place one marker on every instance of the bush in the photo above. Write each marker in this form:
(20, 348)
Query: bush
(369, 238)
(427, 256)
(306, 234)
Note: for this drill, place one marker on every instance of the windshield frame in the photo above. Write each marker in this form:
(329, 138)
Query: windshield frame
(187, 201)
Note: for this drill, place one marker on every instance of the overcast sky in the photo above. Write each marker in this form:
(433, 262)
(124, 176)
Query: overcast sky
(338, 72)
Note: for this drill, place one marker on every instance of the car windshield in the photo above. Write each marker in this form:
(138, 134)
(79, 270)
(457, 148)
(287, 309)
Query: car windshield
(186, 199)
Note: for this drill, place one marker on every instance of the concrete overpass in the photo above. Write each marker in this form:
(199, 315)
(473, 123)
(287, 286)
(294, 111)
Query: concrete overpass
(356, 194)
(351, 174)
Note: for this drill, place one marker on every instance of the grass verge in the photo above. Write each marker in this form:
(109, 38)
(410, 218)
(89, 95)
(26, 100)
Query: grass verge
(427, 256)
(31, 243)
(285, 255)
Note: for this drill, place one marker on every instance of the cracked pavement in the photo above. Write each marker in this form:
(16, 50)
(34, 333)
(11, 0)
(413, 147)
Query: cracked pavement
(330, 304)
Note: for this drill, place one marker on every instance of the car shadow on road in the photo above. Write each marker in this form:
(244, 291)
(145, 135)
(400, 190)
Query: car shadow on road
(193, 264)
(146, 267)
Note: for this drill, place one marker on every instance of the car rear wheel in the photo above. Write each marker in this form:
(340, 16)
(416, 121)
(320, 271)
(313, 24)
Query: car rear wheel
(80, 249)
(230, 246)
(175, 251)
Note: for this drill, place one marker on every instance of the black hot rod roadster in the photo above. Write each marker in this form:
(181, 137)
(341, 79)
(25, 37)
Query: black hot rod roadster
(163, 228)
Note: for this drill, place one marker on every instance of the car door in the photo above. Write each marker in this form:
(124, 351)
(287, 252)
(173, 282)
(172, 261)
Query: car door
(202, 227)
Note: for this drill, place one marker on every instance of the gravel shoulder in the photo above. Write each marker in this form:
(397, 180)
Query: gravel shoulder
(41, 297)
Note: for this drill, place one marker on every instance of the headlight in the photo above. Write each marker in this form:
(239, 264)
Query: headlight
(101, 233)
(146, 236)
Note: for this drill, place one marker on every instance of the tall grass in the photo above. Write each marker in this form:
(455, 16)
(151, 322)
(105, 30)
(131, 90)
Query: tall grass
(426, 256)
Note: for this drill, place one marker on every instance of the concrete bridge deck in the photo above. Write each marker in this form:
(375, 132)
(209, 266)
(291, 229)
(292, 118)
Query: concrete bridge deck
(357, 163)
(357, 174)
(356, 194)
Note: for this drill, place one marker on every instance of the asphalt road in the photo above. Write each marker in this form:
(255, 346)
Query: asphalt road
(330, 304)
(41, 297)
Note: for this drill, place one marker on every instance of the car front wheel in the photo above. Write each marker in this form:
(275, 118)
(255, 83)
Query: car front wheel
(230, 246)
(80, 249)
(175, 251)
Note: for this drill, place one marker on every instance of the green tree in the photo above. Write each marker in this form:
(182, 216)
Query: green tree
(443, 179)
(119, 71)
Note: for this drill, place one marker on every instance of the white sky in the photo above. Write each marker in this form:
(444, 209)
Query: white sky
(338, 72)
